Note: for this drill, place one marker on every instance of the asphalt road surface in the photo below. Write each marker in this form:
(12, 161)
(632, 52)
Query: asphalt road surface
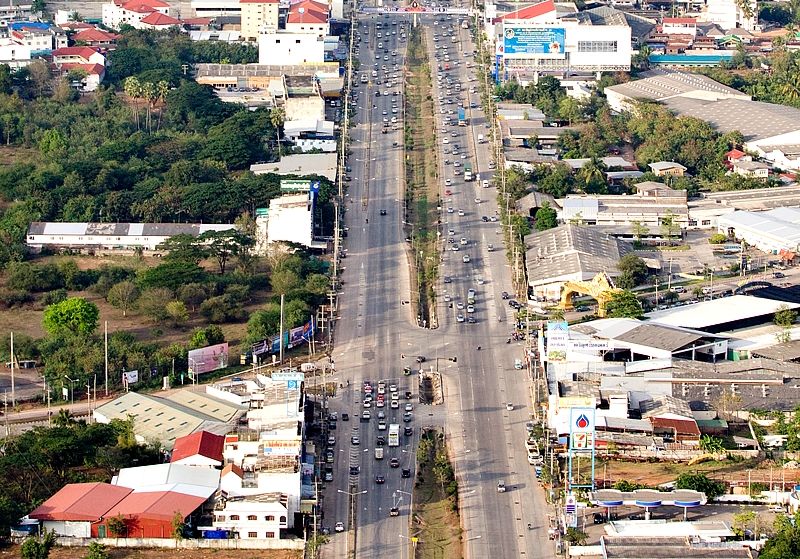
(376, 335)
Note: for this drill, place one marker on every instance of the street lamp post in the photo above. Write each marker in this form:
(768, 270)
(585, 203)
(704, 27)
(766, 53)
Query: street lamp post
(71, 389)
(352, 497)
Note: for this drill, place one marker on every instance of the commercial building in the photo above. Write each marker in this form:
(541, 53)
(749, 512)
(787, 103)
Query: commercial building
(112, 237)
(569, 253)
(721, 314)
(323, 164)
(771, 231)
(547, 39)
(704, 212)
(15, 55)
(291, 219)
(198, 449)
(258, 16)
(283, 48)
(77, 509)
(308, 16)
(40, 38)
(131, 12)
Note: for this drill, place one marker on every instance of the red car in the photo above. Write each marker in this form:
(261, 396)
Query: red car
(448, 192)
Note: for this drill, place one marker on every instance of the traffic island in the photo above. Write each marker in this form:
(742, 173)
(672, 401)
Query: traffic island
(430, 388)
(435, 526)
(422, 200)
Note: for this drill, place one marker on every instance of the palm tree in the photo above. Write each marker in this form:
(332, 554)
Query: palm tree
(133, 89)
(790, 84)
(162, 89)
(149, 94)
(277, 117)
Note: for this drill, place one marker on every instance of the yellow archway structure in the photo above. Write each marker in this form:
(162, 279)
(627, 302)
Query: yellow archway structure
(599, 288)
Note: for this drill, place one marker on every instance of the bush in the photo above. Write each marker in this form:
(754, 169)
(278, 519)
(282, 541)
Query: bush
(153, 303)
(14, 298)
(717, 239)
(25, 276)
(202, 337)
(223, 308)
(55, 296)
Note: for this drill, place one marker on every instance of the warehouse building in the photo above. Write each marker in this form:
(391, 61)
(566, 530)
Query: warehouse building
(771, 231)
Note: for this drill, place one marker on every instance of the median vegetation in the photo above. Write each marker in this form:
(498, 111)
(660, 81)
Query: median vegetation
(422, 189)
(435, 517)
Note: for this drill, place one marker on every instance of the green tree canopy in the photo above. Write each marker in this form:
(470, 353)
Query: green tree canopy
(702, 483)
(624, 304)
(72, 316)
(546, 217)
(633, 271)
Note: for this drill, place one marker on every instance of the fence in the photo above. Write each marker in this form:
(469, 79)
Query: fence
(168, 543)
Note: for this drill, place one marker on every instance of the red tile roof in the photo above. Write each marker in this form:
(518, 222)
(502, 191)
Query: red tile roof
(83, 52)
(144, 6)
(97, 69)
(307, 15)
(157, 18)
(202, 443)
(76, 25)
(680, 426)
(735, 154)
(95, 35)
(81, 502)
(232, 468)
(679, 20)
(531, 12)
(158, 505)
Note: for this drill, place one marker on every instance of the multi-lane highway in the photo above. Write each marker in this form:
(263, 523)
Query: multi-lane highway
(376, 335)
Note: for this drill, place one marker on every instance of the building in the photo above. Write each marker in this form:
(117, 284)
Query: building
(111, 237)
(308, 16)
(770, 231)
(157, 22)
(96, 38)
(198, 449)
(751, 169)
(323, 164)
(248, 517)
(667, 169)
(291, 219)
(90, 76)
(679, 26)
(11, 10)
(258, 16)
(15, 55)
(661, 85)
(77, 509)
(167, 419)
(132, 12)
(569, 253)
(728, 14)
(548, 39)
(78, 55)
(152, 514)
(40, 38)
(281, 48)
(721, 314)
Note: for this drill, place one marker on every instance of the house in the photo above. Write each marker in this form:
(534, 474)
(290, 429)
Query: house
(667, 169)
(751, 169)
(157, 21)
(735, 155)
(308, 16)
(198, 449)
(41, 38)
(91, 75)
(151, 514)
(15, 55)
(77, 508)
(95, 38)
(258, 16)
(255, 516)
(78, 55)
(679, 26)
(13, 10)
(115, 13)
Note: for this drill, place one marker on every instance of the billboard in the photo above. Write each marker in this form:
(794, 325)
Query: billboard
(209, 358)
(295, 185)
(534, 40)
(557, 340)
(291, 338)
(581, 433)
(130, 377)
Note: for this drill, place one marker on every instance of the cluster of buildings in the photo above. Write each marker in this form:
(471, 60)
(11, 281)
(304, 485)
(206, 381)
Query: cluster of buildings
(237, 465)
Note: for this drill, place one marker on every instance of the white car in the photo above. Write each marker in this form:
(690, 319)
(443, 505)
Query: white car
(409, 407)
(470, 309)
(509, 406)
(463, 241)
(460, 318)
(461, 213)
(339, 527)
(381, 426)
(465, 258)
(450, 210)
(445, 140)
(394, 404)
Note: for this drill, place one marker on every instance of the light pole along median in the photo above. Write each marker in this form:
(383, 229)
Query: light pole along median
(352, 517)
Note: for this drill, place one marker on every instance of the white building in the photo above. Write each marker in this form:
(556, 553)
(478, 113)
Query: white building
(282, 48)
(728, 14)
(771, 231)
(112, 237)
(257, 516)
(40, 38)
(13, 54)
(131, 12)
(538, 39)
(323, 164)
(308, 16)
(216, 8)
(291, 219)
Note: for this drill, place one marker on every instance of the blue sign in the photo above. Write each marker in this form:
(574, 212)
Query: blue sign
(315, 186)
(528, 40)
(291, 384)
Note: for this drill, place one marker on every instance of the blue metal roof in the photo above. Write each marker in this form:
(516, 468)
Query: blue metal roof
(689, 60)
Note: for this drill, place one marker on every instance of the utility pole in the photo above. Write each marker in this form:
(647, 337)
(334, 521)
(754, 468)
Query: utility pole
(105, 336)
(280, 341)
(13, 358)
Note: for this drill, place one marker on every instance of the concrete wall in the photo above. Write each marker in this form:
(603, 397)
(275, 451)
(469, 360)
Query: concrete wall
(170, 543)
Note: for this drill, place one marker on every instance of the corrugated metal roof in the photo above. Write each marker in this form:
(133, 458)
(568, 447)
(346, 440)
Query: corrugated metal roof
(80, 502)
(156, 506)
(201, 443)
(146, 478)
(718, 311)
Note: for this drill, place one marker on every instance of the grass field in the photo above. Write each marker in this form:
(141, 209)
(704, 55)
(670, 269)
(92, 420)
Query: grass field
(121, 553)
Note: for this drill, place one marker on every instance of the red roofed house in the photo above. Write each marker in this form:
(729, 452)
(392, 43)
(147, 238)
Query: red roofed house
(150, 514)
(78, 55)
(131, 12)
(199, 449)
(736, 155)
(542, 10)
(679, 26)
(308, 16)
(92, 74)
(78, 508)
(157, 21)
(95, 38)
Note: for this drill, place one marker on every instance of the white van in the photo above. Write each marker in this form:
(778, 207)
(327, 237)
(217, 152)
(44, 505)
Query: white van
(481, 139)
(379, 453)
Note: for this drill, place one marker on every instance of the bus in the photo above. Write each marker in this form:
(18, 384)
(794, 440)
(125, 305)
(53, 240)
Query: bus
(467, 172)
(394, 434)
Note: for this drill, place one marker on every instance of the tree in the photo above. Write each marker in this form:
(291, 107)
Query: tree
(624, 304)
(785, 542)
(153, 303)
(184, 248)
(670, 226)
(633, 271)
(202, 337)
(133, 89)
(97, 551)
(177, 313)
(192, 295)
(178, 525)
(639, 230)
(546, 217)
(702, 483)
(74, 315)
(117, 526)
(171, 274)
(53, 143)
(277, 117)
(224, 244)
(743, 521)
(123, 296)
(283, 281)
(38, 547)
(785, 316)
(711, 445)
(717, 239)
(576, 536)
(318, 284)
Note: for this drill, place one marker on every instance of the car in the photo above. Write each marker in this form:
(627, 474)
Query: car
(395, 396)
(451, 232)
(448, 192)
(471, 320)
(365, 416)
(465, 258)
(505, 295)
(485, 183)
(598, 518)
(354, 470)
(354, 440)
(460, 306)
(394, 404)
(327, 475)
(381, 415)
(339, 527)
(379, 479)
(447, 298)
(448, 182)
(450, 210)
(493, 219)
(408, 431)
(420, 359)
(501, 486)
(367, 403)
(394, 511)
(470, 308)
(582, 308)
(454, 248)
(461, 213)
(407, 417)
(331, 440)
(383, 212)
(448, 279)
(409, 407)
(463, 240)
(406, 472)
(509, 406)
(445, 140)
(392, 388)
(460, 318)
(329, 456)
(394, 463)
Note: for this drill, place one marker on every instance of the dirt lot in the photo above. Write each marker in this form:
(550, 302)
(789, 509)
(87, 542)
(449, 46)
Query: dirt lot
(114, 553)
